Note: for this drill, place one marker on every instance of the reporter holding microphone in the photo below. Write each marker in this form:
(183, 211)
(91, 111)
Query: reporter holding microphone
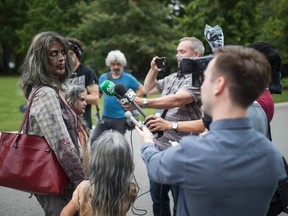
(233, 169)
(113, 113)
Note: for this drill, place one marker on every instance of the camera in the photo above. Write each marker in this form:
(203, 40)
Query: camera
(161, 113)
(196, 67)
(161, 62)
(157, 134)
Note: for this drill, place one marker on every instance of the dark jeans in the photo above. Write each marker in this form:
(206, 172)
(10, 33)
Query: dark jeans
(160, 198)
(107, 124)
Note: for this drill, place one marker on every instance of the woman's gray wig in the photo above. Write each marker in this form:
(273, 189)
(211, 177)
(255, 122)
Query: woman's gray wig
(36, 71)
(72, 95)
(111, 169)
(116, 55)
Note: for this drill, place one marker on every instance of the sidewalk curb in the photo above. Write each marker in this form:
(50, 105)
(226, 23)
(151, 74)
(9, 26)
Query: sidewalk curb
(283, 104)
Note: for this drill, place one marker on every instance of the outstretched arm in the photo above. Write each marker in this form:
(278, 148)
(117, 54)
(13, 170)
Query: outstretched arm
(157, 123)
(180, 98)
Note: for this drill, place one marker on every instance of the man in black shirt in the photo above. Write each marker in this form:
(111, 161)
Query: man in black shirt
(84, 76)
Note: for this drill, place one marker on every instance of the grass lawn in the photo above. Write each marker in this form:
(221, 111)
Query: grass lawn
(11, 100)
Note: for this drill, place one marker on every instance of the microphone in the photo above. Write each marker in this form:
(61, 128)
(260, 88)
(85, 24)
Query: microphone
(129, 95)
(129, 115)
(108, 87)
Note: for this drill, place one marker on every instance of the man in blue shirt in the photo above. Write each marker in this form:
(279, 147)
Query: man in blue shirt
(113, 113)
(233, 169)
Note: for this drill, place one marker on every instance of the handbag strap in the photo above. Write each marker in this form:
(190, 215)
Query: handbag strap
(26, 115)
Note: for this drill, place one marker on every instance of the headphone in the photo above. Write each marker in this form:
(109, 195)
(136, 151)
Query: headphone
(76, 49)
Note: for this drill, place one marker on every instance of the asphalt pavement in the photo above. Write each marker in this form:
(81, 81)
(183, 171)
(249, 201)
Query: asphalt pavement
(17, 203)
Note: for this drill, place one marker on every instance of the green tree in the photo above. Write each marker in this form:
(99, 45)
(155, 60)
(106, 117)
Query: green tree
(236, 18)
(140, 29)
(12, 17)
(48, 15)
(275, 27)
(243, 22)
(21, 20)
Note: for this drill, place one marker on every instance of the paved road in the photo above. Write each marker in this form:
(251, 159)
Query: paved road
(16, 203)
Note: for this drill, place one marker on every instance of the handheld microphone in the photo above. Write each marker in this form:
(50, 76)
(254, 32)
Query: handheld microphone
(108, 87)
(129, 115)
(129, 95)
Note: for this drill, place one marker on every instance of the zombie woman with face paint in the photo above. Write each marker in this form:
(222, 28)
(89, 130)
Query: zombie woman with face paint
(76, 98)
(46, 67)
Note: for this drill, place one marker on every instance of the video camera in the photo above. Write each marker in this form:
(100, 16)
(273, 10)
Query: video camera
(196, 67)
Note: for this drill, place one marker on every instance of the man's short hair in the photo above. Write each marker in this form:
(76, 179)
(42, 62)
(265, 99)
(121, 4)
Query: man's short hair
(196, 44)
(247, 72)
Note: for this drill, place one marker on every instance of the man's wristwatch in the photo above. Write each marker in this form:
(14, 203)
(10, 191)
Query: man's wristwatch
(145, 103)
(175, 126)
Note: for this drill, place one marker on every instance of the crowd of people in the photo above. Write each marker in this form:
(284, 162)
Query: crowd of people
(215, 150)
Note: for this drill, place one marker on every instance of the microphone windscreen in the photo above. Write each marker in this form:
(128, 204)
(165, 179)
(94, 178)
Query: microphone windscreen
(120, 89)
(108, 87)
(128, 114)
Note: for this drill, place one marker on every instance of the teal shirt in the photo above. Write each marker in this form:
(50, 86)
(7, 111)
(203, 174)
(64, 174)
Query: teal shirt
(112, 108)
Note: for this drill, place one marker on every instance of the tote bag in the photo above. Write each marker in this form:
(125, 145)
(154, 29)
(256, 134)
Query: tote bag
(28, 163)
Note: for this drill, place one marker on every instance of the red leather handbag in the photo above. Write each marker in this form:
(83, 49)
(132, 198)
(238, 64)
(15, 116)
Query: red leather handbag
(28, 163)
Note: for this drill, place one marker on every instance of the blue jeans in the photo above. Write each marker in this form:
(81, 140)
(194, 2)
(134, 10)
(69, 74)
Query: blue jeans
(160, 198)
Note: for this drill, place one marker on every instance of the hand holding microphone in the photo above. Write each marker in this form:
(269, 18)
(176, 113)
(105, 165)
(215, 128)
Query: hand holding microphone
(156, 123)
(120, 90)
(145, 134)
(126, 97)
(129, 115)
(143, 131)
(130, 95)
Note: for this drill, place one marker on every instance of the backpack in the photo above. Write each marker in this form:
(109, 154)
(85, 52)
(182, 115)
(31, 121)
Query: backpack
(275, 86)
(274, 59)
(279, 201)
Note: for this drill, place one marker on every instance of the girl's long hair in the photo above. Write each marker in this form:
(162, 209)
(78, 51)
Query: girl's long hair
(72, 96)
(36, 70)
(110, 172)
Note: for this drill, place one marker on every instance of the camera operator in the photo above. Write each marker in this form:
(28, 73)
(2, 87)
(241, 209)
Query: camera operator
(179, 101)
